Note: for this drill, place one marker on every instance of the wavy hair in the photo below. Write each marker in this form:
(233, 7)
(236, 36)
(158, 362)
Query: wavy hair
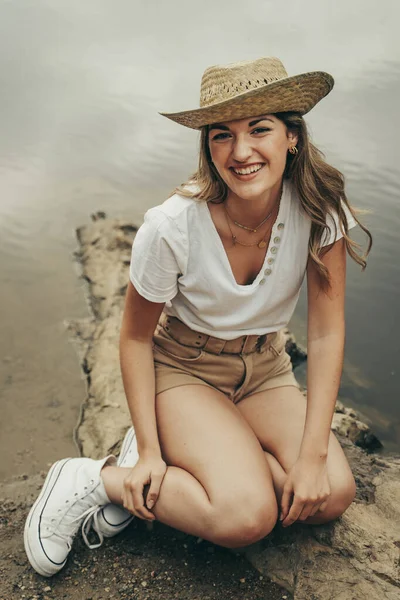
(319, 186)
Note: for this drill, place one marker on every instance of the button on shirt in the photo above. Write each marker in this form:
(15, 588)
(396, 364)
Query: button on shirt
(178, 258)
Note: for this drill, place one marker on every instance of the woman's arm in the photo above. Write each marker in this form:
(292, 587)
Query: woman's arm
(137, 367)
(308, 481)
(325, 347)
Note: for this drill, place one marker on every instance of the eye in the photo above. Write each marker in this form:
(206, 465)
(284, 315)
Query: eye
(220, 136)
(261, 130)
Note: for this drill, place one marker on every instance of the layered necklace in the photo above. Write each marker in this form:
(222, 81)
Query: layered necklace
(261, 243)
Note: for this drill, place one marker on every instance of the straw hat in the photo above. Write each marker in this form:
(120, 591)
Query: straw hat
(251, 88)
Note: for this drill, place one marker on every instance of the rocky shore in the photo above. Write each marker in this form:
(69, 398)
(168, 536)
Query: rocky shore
(355, 557)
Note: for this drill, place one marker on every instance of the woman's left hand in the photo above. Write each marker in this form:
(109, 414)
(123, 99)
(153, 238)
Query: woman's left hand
(307, 482)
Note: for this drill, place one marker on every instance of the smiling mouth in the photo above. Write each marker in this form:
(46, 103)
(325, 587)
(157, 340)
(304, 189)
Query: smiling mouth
(247, 170)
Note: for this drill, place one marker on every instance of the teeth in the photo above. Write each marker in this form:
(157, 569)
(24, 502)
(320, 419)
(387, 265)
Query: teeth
(248, 170)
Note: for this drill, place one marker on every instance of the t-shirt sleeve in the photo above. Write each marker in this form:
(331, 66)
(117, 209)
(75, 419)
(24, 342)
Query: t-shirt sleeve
(158, 257)
(329, 236)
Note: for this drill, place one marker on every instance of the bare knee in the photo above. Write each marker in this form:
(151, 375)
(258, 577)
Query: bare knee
(339, 501)
(245, 522)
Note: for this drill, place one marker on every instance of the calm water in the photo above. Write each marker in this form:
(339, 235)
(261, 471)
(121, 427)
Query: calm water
(81, 87)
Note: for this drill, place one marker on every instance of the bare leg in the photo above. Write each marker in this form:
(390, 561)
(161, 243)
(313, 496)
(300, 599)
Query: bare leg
(278, 476)
(179, 490)
(285, 409)
(218, 485)
(178, 483)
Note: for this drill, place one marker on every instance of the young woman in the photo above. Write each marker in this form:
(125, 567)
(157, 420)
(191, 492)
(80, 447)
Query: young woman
(225, 441)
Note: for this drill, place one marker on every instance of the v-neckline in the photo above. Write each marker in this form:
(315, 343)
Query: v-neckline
(269, 255)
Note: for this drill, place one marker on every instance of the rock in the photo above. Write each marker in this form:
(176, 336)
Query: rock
(339, 408)
(357, 556)
(98, 215)
(297, 353)
(354, 557)
(348, 425)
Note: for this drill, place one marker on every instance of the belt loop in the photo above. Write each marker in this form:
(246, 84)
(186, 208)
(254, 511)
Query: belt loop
(214, 345)
(245, 341)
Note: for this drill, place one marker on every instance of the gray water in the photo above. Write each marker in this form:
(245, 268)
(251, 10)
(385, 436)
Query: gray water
(81, 87)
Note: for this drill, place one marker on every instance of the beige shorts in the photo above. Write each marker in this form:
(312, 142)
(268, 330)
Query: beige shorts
(237, 368)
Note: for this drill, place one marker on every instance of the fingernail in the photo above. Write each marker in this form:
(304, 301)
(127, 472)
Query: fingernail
(150, 503)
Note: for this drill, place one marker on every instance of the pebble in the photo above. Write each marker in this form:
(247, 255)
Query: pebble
(243, 580)
(144, 583)
(47, 589)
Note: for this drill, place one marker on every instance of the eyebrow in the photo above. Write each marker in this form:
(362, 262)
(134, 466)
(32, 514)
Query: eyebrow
(251, 124)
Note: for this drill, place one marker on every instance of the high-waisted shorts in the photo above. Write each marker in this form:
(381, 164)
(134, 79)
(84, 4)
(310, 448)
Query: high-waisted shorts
(237, 368)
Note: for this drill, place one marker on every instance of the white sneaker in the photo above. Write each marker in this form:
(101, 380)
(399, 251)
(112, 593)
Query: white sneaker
(72, 491)
(111, 519)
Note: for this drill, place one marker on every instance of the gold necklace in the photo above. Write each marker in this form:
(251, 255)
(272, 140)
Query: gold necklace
(252, 229)
(261, 244)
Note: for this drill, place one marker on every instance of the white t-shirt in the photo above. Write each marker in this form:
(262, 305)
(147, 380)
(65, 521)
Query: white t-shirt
(178, 258)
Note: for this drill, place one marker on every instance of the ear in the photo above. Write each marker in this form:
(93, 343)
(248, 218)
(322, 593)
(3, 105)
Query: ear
(292, 138)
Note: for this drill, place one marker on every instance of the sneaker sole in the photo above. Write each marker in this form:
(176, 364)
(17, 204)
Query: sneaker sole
(34, 517)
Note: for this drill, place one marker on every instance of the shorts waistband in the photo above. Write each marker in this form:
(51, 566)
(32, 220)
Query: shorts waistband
(245, 344)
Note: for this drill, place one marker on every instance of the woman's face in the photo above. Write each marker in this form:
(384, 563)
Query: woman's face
(250, 154)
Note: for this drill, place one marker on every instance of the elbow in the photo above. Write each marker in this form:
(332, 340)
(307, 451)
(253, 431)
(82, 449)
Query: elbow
(327, 330)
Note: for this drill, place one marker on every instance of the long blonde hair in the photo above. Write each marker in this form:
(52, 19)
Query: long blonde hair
(319, 186)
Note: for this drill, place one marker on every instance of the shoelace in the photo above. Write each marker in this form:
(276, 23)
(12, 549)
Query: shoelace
(92, 519)
(91, 522)
(66, 528)
(67, 531)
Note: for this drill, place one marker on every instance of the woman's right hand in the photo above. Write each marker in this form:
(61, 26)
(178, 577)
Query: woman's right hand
(149, 470)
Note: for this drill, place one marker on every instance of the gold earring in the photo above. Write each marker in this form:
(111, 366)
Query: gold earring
(293, 150)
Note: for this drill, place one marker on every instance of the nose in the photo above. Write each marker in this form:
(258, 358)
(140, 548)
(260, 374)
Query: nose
(241, 150)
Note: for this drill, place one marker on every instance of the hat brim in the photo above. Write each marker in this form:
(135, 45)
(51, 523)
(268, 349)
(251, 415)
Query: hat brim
(299, 93)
